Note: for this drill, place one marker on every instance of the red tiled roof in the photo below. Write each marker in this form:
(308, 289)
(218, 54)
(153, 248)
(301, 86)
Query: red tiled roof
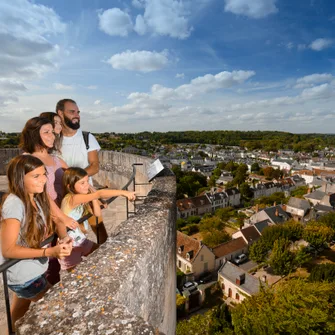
(229, 247)
(184, 204)
(187, 244)
(320, 172)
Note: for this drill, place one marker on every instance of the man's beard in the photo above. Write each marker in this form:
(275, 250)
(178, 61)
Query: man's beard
(68, 123)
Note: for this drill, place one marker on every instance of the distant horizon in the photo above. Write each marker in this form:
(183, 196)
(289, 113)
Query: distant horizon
(189, 130)
(134, 65)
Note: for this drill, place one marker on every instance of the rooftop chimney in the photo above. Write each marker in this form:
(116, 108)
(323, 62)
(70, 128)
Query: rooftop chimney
(240, 279)
(277, 212)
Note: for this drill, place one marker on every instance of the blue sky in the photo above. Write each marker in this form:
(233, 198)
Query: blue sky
(164, 65)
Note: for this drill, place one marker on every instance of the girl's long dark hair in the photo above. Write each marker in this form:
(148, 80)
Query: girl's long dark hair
(35, 228)
(58, 138)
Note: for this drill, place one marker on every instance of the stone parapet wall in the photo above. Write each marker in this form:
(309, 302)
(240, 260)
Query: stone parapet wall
(5, 156)
(128, 285)
(116, 169)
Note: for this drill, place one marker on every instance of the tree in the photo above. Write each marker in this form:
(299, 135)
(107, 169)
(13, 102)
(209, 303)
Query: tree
(292, 307)
(181, 223)
(299, 192)
(213, 322)
(225, 213)
(281, 258)
(328, 220)
(211, 223)
(231, 166)
(217, 172)
(193, 219)
(255, 167)
(190, 229)
(301, 257)
(245, 190)
(258, 251)
(317, 234)
(180, 302)
(215, 237)
(323, 272)
(268, 171)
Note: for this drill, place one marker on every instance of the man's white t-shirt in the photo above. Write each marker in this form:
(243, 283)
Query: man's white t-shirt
(74, 150)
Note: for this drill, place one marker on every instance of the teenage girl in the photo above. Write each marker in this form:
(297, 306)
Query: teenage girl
(75, 204)
(25, 221)
(57, 125)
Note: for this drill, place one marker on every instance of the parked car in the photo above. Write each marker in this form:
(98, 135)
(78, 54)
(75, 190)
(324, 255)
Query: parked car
(190, 286)
(240, 259)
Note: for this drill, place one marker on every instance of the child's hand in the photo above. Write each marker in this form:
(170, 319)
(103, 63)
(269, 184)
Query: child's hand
(131, 196)
(61, 250)
(71, 223)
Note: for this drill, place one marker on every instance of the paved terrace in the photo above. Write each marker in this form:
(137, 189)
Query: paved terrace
(128, 285)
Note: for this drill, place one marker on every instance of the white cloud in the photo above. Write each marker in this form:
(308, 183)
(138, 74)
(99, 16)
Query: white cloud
(180, 75)
(138, 3)
(321, 44)
(11, 85)
(318, 92)
(97, 102)
(143, 61)
(159, 17)
(165, 17)
(92, 87)
(140, 25)
(290, 45)
(255, 9)
(115, 22)
(311, 80)
(62, 87)
(211, 82)
(26, 52)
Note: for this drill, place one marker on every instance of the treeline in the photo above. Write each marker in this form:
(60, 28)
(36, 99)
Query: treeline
(252, 140)
(264, 140)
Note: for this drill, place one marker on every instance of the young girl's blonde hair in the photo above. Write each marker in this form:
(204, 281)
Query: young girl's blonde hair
(35, 228)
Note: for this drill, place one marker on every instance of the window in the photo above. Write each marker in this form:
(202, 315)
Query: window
(179, 264)
(237, 297)
(202, 258)
(206, 266)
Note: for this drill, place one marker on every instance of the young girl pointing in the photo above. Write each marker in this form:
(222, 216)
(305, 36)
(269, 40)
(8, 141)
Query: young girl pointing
(76, 204)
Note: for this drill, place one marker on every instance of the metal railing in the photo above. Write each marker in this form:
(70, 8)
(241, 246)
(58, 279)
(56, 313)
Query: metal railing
(6, 265)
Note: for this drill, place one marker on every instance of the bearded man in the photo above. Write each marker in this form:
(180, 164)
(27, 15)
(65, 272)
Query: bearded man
(74, 149)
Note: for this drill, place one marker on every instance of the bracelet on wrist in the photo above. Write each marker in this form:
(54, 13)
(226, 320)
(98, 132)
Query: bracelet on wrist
(44, 251)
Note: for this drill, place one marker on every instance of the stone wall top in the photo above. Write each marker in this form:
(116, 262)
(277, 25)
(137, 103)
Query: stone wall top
(127, 286)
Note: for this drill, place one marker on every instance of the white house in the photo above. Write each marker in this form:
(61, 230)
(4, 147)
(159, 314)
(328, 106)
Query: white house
(236, 283)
